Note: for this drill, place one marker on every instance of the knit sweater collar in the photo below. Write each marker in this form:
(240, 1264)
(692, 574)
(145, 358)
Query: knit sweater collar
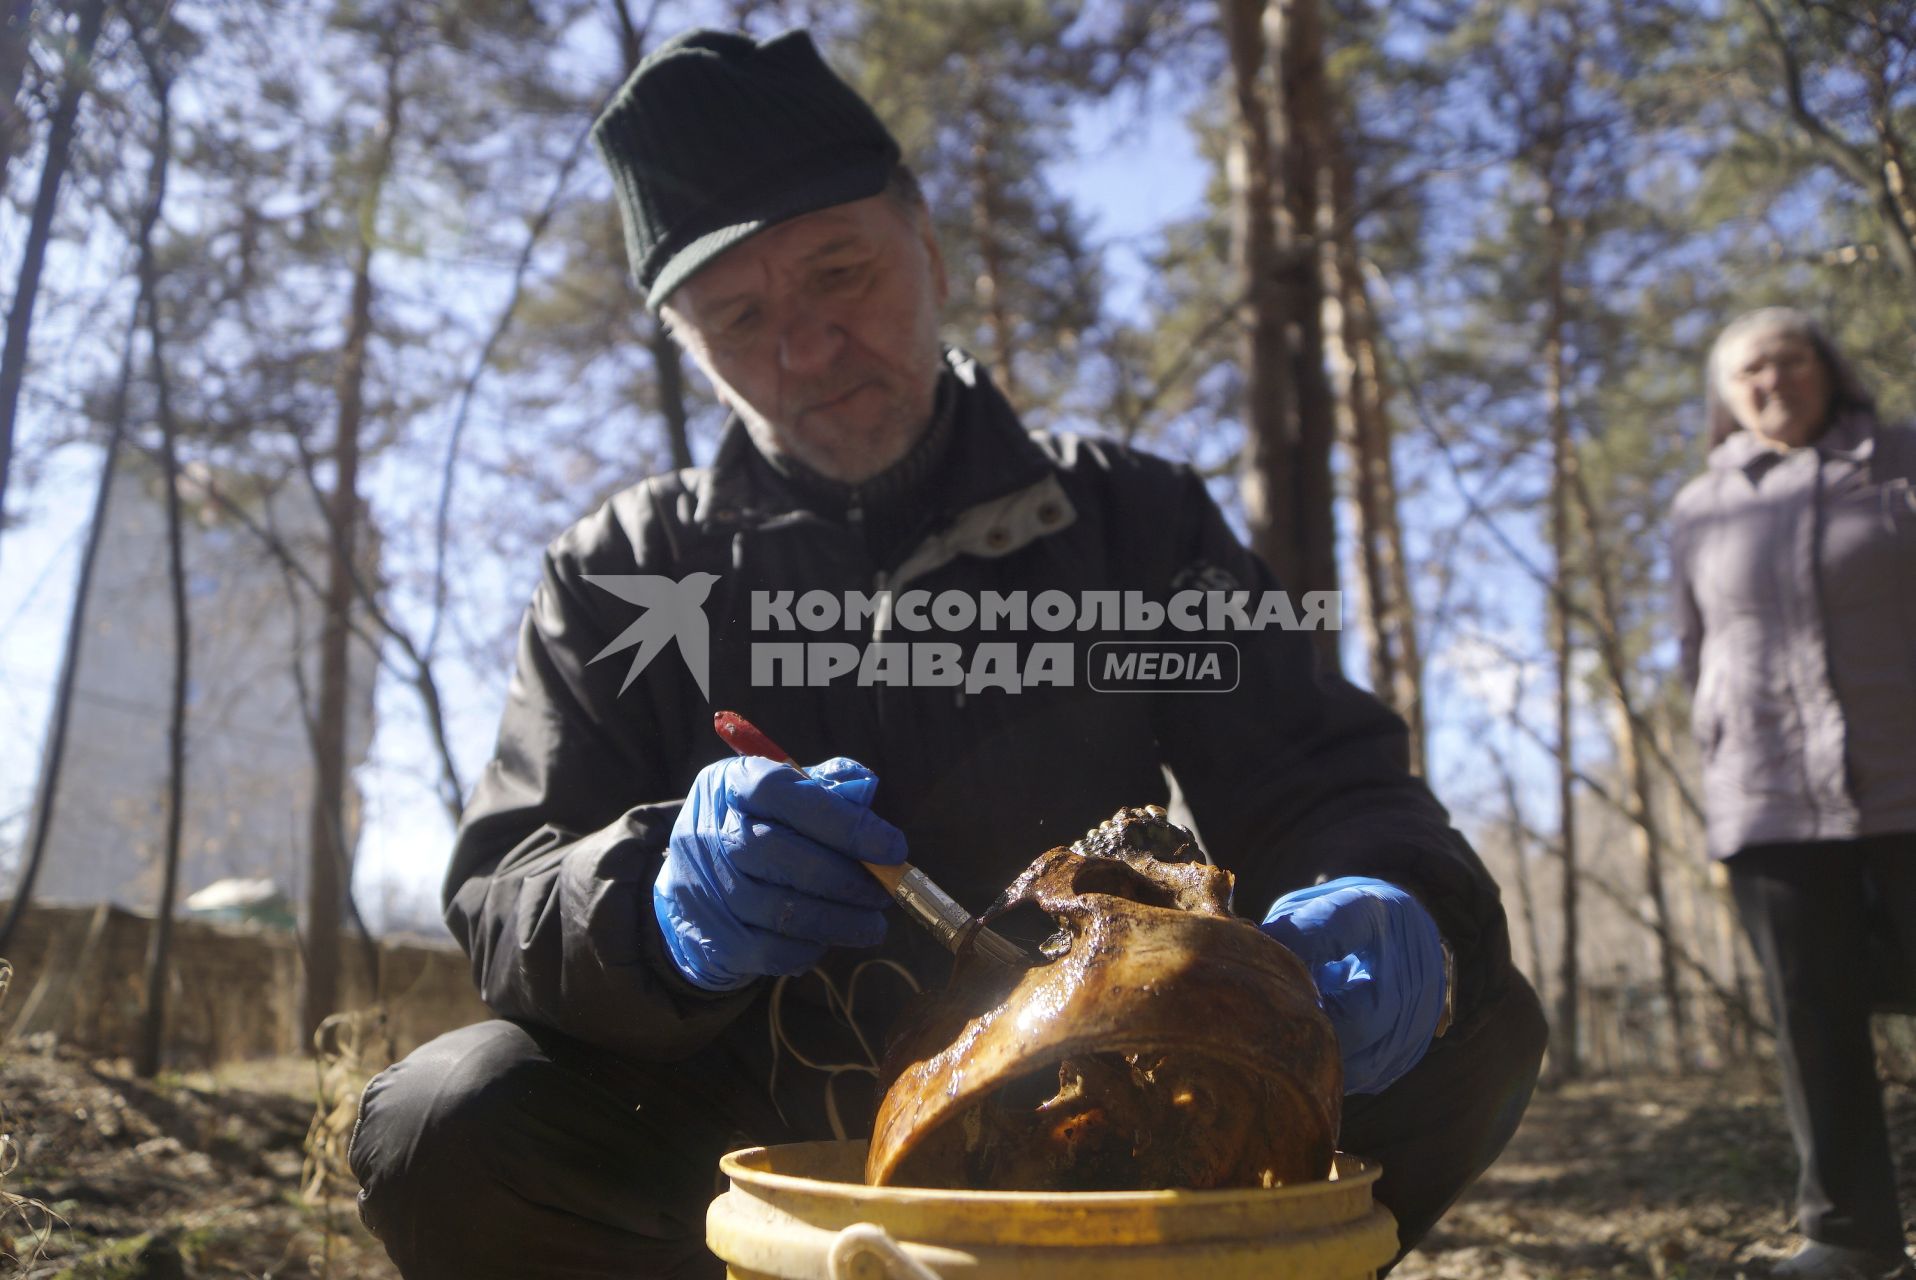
(1850, 435)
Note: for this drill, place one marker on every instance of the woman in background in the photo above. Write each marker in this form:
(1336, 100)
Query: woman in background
(1794, 561)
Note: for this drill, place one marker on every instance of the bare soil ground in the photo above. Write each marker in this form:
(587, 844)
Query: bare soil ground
(198, 1176)
(177, 1177)
(1674, 1179)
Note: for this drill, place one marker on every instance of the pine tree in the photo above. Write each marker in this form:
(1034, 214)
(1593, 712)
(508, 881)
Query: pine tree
(977, 96)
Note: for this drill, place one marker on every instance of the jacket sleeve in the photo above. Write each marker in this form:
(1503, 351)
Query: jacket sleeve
(550, 887)
(1297, 777)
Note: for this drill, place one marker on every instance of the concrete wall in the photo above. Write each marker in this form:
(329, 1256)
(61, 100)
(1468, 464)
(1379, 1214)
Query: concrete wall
(79, 973)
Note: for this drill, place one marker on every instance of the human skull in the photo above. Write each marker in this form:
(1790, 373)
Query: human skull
(1163, 1041)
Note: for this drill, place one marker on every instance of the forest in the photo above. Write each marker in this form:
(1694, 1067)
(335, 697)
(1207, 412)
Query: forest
(1432, 325)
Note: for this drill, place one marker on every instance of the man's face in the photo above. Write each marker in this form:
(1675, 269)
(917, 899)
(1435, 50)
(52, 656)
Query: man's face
(822, 334)
(1774, 384)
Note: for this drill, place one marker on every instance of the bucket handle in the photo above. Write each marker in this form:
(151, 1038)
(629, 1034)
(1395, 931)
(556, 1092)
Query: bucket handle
(865, 1251)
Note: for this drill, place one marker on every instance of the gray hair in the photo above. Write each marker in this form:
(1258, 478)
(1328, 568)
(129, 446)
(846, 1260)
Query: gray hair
(1847, 391)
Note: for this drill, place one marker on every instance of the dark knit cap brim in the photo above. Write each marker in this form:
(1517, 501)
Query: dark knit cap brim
(807, 194)
(716, 137)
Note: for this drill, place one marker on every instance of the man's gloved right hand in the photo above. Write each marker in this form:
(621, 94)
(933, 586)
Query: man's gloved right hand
(761, 874)
(1378, 961)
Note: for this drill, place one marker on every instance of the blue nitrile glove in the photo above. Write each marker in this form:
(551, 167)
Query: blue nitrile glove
(761, 874)
(1378, 962)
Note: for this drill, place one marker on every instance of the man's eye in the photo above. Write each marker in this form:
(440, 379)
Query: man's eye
(741, 321)
(842, 274)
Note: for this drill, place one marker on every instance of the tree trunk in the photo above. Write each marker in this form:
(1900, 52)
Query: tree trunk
(153, 1024)
(329, 855)
(1634, 763)
(16, 42)
(1897, 199)
(667, 371)
(1396, 665)
(1265, 479)
(1648, 835)
(329, 865)
(1289, 423)
(46, 794)
(991, 273)
(66, 112)
(1297, 28)
(1566, 1035)
(1526, 900)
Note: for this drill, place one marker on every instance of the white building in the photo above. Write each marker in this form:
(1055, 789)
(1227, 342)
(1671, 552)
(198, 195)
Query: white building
(249, 764)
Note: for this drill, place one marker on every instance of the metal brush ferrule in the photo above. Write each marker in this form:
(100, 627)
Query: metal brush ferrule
(932, 907)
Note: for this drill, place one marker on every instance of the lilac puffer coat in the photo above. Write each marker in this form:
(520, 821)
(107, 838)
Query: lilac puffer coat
(1795, 579)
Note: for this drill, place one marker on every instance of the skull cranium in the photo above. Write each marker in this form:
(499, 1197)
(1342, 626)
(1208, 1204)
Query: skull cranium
(1164, 1043)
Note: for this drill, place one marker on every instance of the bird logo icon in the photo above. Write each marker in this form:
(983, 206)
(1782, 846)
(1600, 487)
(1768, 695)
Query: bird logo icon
(674, 610)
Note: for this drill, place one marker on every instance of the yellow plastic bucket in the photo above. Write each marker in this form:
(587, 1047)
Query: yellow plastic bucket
(803, 1212)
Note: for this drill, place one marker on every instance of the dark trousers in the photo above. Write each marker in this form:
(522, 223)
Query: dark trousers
(1816, 914)
(503, 1150)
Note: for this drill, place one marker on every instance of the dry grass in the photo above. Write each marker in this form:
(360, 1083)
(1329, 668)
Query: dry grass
(26, 1225)
(349, 1049)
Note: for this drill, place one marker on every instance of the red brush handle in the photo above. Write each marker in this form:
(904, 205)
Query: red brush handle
(746, 738)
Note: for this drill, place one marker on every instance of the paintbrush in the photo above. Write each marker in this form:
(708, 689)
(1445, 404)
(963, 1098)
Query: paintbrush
(913, 890)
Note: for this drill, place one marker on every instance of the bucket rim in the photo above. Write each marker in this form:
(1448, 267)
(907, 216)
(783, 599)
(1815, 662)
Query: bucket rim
(1350, 1172)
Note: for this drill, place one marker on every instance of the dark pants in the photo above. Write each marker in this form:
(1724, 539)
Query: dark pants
(501, 1150)
(1816, 914)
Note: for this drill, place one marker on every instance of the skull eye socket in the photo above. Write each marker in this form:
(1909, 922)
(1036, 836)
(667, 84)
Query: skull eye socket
(1028, 1092)
(1118, 880)
(1032, 927)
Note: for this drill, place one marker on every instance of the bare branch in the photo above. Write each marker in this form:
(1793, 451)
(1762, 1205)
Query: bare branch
(1844, 154)
(442, 516)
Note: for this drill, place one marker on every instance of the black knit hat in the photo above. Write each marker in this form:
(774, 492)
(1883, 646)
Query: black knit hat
(716, 136)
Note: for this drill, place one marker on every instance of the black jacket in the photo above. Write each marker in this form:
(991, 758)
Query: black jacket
(1292, 777)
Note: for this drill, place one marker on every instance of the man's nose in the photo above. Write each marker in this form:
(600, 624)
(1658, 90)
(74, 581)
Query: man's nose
(810, 341)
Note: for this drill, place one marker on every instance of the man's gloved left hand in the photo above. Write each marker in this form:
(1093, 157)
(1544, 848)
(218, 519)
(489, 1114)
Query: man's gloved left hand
(1378, 962)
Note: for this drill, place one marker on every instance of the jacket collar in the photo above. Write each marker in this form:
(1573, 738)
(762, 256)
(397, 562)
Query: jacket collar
(990, 456)
(1851, 437)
